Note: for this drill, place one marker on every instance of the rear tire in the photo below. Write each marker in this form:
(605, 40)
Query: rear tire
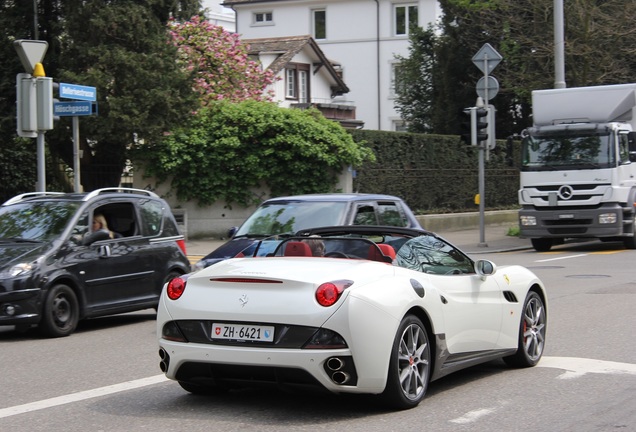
(410, 365)
(532, 330)
(61, 312)
(541, 244)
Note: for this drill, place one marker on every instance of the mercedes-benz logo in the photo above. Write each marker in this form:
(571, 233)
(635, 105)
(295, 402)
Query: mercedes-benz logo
(566, 192)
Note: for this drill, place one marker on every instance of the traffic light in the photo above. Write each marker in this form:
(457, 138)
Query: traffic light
(481, 124)
(466, 125)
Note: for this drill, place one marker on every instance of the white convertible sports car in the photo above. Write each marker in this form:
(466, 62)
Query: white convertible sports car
(376, 310)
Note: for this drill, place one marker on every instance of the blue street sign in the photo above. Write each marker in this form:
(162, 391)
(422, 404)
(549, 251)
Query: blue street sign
(74, 108)
(78, 92)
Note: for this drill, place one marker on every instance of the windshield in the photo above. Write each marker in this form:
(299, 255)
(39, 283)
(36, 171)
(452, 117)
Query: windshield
(290, 217)
(567, 151)
(39, 221)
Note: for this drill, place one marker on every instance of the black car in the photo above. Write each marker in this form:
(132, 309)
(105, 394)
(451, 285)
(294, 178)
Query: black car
(54, 270)
(284, 216)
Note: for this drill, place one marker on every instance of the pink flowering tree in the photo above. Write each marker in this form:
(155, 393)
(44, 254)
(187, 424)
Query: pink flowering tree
(219, 62)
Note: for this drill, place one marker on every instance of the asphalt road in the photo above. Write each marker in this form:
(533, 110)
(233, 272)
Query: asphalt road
(106, 375)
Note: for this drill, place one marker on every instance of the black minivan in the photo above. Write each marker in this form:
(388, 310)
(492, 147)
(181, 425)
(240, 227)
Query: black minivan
(55, 270)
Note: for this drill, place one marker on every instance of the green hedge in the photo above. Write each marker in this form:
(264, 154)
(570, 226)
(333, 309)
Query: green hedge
(437, 173)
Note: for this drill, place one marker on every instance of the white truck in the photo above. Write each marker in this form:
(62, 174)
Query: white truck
(578, 171)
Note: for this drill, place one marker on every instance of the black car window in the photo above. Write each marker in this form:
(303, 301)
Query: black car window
(120, 217)
(289, 217)
(152, 214)
(389, 214)
(40, 221)
(365, 215)
(430, 254)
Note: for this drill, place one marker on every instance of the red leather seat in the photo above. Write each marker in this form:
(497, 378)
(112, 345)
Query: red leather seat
(297, 249)
(380, 252)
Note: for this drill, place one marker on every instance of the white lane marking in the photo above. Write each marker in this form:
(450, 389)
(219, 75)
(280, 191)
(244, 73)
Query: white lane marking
(577, 367)
(574, 368)
(80, 396)
(473, 416)
(562, 258)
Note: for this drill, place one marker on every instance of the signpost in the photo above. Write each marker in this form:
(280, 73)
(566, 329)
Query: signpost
(78, 92)
(83, 104)
(36, 107)
(31, 54)
(486, 59)
(73, 108)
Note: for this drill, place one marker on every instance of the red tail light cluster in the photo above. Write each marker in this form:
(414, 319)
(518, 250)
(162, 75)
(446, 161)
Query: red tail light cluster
(328, 293)
(182, 246)
(175, 288)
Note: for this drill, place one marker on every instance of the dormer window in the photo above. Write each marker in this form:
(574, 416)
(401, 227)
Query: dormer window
(297, 82)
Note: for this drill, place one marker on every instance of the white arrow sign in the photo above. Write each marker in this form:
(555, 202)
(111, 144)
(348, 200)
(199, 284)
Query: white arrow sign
(30, 52)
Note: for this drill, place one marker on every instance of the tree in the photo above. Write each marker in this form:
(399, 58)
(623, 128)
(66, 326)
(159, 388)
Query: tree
(229, 149)
(599, 50)
(119, 46)
(219, 61)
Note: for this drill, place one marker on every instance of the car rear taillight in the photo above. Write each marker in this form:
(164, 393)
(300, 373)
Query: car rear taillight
(175, 288)
(182, 246)
(328, 293)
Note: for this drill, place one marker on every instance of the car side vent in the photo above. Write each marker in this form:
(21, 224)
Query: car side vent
(510, 296)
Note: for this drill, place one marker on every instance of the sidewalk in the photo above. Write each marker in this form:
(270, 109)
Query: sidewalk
(468, 240)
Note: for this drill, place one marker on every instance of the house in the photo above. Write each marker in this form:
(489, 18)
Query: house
(364, 35)
(219, 15)
(306, 78)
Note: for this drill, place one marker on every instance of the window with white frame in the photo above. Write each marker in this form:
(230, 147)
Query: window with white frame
(405, 17)
(297, 82)
(397, 80)
(400, 126)
(263, 18)
(319, 23)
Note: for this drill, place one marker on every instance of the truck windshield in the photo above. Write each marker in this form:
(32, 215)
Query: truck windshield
(567, 151)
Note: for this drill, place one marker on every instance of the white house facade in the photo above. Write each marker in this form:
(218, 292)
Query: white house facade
(363, 36)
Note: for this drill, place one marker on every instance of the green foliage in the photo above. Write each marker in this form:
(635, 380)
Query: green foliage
(435, 173)
(599, 40)
(228, 150)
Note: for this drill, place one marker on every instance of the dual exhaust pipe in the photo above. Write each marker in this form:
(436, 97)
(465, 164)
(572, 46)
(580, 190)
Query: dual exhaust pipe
(336, 365)
(165, 360)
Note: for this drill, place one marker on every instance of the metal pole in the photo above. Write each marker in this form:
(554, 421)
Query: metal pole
(482, 168)
(559, 46)
(35, 20)
(41, 163)
(76, 154)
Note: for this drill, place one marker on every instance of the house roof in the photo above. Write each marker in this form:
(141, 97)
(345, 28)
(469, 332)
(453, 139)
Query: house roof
(233, 2)
(287, 48)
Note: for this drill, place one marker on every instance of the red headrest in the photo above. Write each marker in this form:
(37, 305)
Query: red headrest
(297, 249)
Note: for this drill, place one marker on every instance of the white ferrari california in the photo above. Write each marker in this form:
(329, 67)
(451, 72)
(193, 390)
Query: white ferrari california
(375, 310)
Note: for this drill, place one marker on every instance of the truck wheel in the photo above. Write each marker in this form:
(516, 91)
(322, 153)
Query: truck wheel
(630, 242)
(541, 244)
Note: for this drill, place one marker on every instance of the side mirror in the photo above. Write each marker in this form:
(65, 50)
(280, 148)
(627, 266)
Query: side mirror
(96, 236)
(231, 232)
(485, 268)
